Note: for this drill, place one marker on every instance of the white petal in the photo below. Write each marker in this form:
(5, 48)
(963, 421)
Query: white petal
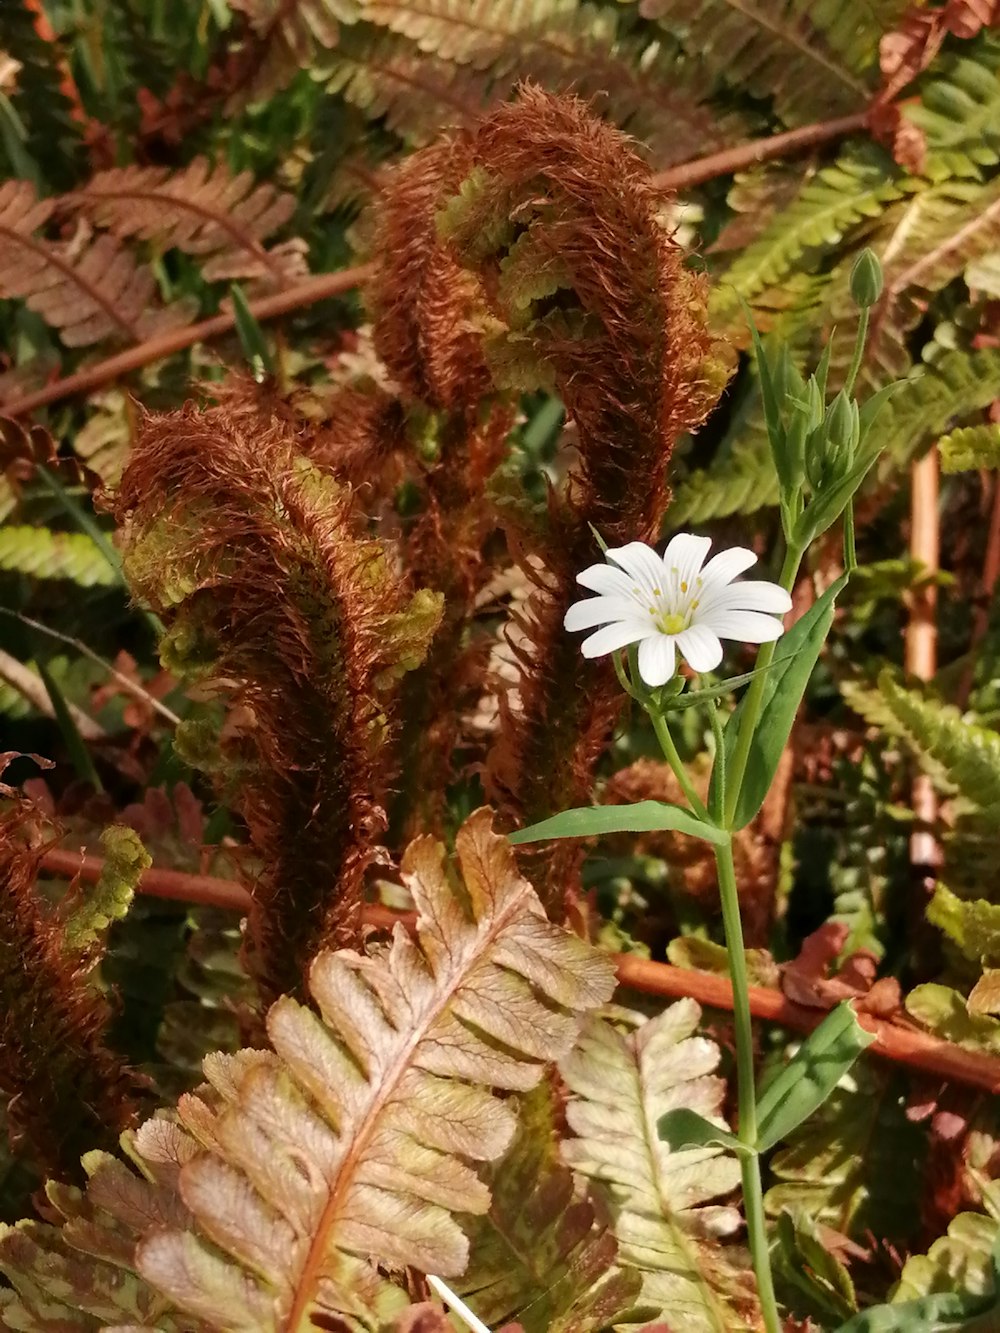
(750, 626)
(613, 637)
(602, 611)
(604, 579)
(754, 595)
(727, 565)
(640, 562)
(700, 647)
(686, 554)
(657, 660)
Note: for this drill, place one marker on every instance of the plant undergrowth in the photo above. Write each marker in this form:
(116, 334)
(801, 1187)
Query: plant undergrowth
(371, 956)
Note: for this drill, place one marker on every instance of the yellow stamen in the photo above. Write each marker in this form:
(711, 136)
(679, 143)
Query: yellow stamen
(684, 587)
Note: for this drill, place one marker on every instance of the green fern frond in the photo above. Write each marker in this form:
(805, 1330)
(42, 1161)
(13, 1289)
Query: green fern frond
(467, 32)
(959, 111)
(855, 1165)
(970, 447)
(774, 48)
(55, 555)
(383, 75)
(663, 1202)
(973, 924)
(88, 917)
(961, 1260)
(742, 483)
(934, 398)
(961, 757)
(946, 1013)
(923, 242)
(830, 206)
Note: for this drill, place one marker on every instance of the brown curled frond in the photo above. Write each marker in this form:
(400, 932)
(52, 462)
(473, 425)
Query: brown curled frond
(590, 296)
(274, 597)
(423, 302)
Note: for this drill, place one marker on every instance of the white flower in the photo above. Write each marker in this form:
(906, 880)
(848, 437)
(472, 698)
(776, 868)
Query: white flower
(675, 602)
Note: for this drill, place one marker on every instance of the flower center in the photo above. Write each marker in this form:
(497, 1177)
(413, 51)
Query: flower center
(671, 623)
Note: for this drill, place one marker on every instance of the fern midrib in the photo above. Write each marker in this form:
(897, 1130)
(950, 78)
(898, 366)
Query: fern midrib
(479, 946)
(239, 235)
(44, 251)
(651, 1140)
(909, 277)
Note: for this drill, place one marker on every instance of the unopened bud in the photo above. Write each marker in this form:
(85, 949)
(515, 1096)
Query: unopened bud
(866, 279)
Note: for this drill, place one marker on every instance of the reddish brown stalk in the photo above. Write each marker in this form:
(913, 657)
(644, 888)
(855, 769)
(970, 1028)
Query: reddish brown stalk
(918, 1050)
(921, 639)
(981, 617)
(905, 1046)
(317, 288)
(744, 155)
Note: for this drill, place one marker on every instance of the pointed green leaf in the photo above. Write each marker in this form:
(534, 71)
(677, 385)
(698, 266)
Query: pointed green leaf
(788, 675)
(75, 744)
(811, 1075)
(643, 817)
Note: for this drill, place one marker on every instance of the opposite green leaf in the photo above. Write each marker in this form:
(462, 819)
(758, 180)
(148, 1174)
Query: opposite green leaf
(784, 686)
(687, 1129)
(811, 1075)
(643, 817)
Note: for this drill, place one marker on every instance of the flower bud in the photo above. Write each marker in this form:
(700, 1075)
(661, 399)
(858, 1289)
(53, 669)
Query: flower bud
(866, 279)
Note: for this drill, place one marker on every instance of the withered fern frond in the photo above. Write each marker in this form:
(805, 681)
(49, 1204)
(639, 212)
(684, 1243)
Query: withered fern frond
(273, 595)
(68, 1091)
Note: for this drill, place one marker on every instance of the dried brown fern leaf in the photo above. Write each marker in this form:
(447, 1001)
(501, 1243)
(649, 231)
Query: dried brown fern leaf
(88, 290)
(350, 1144)
(68, 1091)
(258, 563)
(24, 447)
(202, 209)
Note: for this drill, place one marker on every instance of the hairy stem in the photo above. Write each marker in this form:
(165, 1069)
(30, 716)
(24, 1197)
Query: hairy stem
(753, 1196)
(754, 699)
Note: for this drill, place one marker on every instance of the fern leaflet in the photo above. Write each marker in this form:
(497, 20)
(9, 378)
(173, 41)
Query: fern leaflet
(350, 1140)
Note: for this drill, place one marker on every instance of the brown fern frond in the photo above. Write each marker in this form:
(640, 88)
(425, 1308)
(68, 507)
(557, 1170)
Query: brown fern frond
(25, 447)
(284, 37)
(87, 290)
(587, 293)
(202, 209)
(271, 592)
(68, 1091)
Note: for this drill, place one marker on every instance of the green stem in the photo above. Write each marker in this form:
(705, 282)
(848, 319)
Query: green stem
(753, 1195)
(674, 760)
(859, 351)
(754, 699)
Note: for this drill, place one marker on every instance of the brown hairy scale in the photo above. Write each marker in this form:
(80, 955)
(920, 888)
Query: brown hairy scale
(69, 1092)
